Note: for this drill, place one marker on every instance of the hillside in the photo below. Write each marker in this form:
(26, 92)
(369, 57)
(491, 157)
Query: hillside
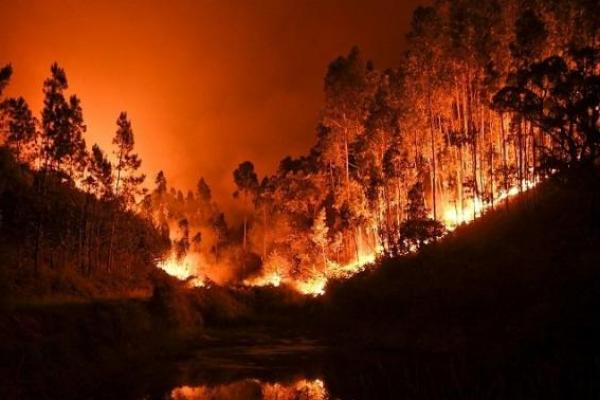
(56, 238)
(508, 301)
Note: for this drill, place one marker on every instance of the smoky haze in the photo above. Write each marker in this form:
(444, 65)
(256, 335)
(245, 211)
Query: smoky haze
(207, 84)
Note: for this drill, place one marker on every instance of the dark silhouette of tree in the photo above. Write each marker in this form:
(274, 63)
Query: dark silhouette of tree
(219, 226)
(159, 202)
(127, 181)
(100, 170)
(418, 228)
(196, 242)
(161, 183)
(530, 38)
(561, 98)
(204, 191)
(5, 74)
(63, 146)
(21, 126)
(182, 245)
(246, 181)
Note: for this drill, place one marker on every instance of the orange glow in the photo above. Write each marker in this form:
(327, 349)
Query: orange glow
(207, 84)
(452, 218)
(301, 389)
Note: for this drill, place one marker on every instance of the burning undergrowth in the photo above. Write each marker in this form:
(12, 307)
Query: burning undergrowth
(305, 272)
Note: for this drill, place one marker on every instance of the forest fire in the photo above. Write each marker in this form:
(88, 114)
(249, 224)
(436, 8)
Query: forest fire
(314, 280)
(401, 156)
(419, 221)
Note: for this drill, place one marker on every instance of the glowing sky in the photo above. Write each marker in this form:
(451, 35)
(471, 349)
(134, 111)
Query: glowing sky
(208, 84)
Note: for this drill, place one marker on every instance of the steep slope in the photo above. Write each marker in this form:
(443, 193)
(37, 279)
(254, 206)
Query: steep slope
(511, 298)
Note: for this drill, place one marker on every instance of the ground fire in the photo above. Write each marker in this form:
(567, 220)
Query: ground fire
(313, 282)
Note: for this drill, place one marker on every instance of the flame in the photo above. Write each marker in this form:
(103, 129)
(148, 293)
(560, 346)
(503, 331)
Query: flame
(184, 269)
(314, 281)
(364, 258)
(270, 279)
(452, 217)
(313, 286)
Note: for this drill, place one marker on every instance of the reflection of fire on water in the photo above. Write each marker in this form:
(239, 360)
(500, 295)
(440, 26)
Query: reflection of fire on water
(302, 389)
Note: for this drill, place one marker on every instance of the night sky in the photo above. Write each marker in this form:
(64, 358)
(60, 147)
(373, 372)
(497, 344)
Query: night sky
(207, 84)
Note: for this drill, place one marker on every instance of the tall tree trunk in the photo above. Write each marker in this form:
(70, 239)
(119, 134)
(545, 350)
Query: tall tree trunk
(110, 243)
(492, 176)
(347, 160)
(433, 160)
(504, 159)
(114, 214)
(83, 234)
(264, 241)
(520, 144)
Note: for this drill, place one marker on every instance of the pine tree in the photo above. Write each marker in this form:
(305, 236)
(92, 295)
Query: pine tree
(21, 126)
(63, 146)
(204, 191)
(100, 170)
(127, 182)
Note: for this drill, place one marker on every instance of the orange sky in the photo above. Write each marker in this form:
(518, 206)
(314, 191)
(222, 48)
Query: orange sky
(207, 84)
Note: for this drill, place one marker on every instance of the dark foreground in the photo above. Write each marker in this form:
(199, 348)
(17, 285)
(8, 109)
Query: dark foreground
(504, 308)
(303, 369)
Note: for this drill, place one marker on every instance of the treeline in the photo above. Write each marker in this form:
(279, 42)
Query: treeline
(491, 97)
(65, 207)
